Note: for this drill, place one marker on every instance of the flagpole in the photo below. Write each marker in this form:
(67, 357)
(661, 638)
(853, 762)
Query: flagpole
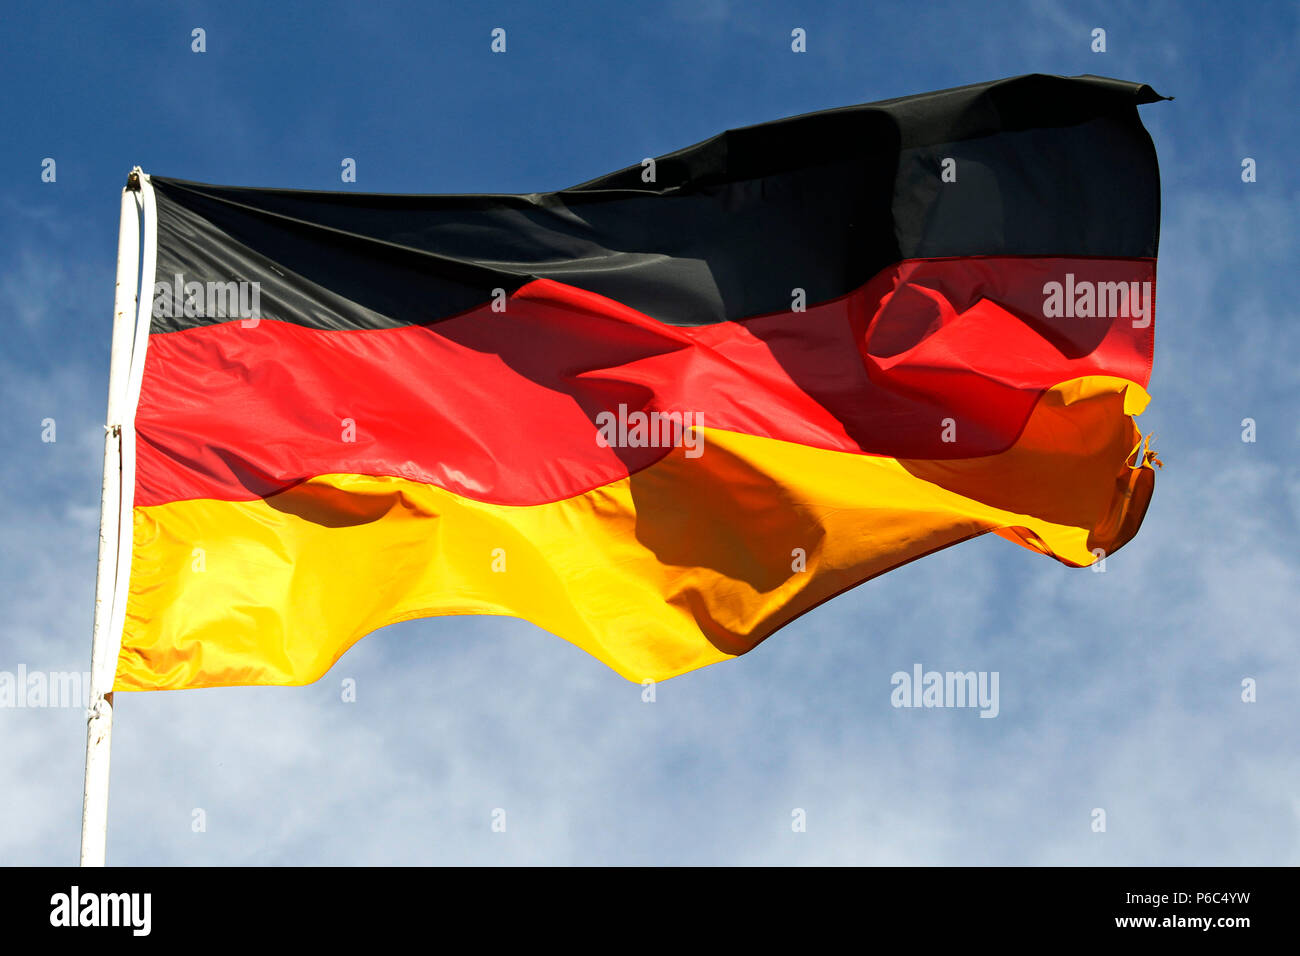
(99, 717)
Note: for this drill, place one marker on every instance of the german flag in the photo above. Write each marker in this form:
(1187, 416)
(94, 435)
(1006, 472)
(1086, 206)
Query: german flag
(660, 414)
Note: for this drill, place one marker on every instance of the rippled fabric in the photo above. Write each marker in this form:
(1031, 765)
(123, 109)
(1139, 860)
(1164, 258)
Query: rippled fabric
(687, 562)
(888, 328)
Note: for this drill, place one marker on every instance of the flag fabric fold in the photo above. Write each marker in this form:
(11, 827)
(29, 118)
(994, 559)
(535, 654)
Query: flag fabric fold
(660, 414)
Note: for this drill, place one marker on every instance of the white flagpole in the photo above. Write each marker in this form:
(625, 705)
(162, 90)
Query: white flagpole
(99, 718)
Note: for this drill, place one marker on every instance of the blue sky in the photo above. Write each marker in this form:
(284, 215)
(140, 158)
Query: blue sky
(1119, 691)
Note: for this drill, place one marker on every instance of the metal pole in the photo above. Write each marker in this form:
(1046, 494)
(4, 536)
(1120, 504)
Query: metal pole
(99, 718)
